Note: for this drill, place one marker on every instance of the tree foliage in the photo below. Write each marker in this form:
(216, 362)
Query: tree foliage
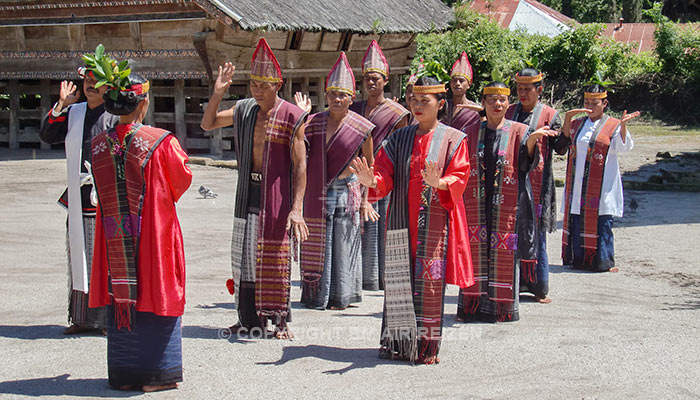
(574, 57)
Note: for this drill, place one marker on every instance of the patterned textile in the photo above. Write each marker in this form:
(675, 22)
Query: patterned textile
(341, 281)
(272, 270)
(374, 247)
(120, 189)
(399, 325)
(424, 277)
(461, 119)
(462, 67)
(495, 275)
(340, 78)
(386, 115)
(78, 311)
(374, 60)
(264, 66)
(590, 191)
(327, 159)
(149, 354)
(542, 115)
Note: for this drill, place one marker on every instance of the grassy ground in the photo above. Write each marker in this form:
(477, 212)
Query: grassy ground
(658, 129)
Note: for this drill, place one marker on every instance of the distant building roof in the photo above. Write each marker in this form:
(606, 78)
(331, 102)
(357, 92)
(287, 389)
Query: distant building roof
(364, 16)
(529, 15)
(639, 34)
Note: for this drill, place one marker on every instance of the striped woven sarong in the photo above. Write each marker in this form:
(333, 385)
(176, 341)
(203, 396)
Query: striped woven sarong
(78, 311)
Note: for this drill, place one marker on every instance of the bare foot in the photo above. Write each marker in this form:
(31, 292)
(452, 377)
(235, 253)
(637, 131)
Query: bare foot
(103, 331)
(337, 308)
(237, 329)
(543, 300)
(126, 387)
(284, 334)
(76, 329)
(431, 360)
(158, 388)
(459, 318)
(614, 269)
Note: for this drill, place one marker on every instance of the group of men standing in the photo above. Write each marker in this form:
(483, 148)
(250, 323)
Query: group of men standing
(459, 193)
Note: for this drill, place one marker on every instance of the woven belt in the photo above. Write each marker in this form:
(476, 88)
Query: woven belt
(256, 176)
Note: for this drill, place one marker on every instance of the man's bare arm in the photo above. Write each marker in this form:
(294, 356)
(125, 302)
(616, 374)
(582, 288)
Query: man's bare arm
(295, 220)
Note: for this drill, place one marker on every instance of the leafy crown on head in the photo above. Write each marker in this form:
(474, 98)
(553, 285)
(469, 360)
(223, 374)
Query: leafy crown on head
(434, 69)
(597, 79)
(108, 71)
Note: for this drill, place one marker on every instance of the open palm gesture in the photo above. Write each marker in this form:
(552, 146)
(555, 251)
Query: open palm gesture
(225, 78)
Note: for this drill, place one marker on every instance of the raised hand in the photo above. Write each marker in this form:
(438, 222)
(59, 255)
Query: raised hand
(471, 106)
(303, 101)
(225, 78)
(628, 117)
(365, 173)
(431, 174)
(67, 95)
(572, 113)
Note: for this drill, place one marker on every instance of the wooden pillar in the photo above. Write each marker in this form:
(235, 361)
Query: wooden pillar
(215, 142)
(135, 33)
(150, 119)
(45, 105)
(289, 96)
(395, 85)
(180, 125)
(13, 91)
(321, 95)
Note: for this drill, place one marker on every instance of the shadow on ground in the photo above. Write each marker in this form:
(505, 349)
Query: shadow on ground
(62, 386)
(34, 332)
(358, 358)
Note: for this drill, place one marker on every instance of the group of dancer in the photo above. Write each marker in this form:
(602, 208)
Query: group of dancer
(364, 195)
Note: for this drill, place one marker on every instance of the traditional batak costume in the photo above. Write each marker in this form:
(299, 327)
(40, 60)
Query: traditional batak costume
(541, 180)
(331, 204)
(460, 117)
(260, 247)
(139, 264)
(500, 211)
(425, 238)
(76, 125)
(385, 116)
(593, 191)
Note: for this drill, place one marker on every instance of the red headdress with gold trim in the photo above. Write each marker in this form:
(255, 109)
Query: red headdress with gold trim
(340, 78)
(264, 65)
(374, 60)
(462, 67)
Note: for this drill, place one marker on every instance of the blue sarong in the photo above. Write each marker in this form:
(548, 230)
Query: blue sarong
(150, 354)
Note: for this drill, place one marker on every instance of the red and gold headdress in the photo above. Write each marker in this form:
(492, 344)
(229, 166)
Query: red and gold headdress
(462, 67)
(264, 66)
(528, 79)
(340, 78)
(601, 95)
(374, 60)
(496, 90)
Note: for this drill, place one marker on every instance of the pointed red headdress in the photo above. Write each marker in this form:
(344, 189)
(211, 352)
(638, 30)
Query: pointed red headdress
(340, 78)
(374, 60)
(462, 67)
(264, 66)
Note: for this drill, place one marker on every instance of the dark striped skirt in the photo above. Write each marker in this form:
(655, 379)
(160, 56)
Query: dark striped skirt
(149, 354)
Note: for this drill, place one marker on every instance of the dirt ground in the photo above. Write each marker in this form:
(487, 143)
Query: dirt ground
(634, 334)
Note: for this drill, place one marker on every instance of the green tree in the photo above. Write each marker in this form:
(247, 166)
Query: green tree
(632, 10)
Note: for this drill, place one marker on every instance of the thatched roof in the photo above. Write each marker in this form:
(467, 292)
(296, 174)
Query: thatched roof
(361, 16)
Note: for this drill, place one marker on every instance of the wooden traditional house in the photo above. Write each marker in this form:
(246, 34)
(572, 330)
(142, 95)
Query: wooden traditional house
(180, 44)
